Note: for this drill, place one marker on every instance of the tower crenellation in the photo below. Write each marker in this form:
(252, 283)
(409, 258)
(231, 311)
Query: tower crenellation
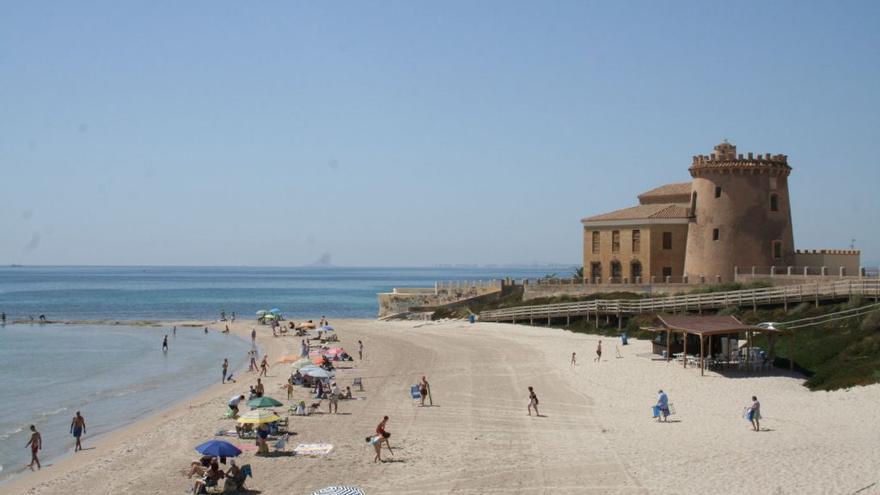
(725, 159)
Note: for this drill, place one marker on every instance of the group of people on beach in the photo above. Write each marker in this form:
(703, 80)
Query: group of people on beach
(752, 412)
(35, 442)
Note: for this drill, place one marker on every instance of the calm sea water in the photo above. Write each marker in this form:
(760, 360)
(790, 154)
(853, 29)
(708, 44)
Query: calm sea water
(113, 374)
(177, 293)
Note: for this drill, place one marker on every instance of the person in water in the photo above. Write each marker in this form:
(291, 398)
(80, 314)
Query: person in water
(165, 344)
(36, 444)
(78, 429)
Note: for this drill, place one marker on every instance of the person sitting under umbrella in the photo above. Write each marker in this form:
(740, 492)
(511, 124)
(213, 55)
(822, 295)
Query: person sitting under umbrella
(211, 478)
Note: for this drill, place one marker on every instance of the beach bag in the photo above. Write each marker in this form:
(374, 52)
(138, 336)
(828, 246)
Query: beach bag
(656, 410)
(749, 413)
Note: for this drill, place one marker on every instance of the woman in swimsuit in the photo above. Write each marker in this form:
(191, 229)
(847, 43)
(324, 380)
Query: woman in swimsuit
(533, 401)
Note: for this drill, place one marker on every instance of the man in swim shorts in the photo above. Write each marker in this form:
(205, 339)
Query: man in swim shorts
(78, 429)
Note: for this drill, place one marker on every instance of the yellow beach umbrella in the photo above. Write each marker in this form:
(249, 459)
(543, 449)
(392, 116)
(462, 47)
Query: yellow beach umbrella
(258, 416)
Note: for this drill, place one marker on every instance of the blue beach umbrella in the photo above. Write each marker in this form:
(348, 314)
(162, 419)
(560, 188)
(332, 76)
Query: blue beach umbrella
(218, 448)
(275, 310)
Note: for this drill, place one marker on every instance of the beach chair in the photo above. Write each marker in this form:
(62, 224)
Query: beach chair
(358, 382)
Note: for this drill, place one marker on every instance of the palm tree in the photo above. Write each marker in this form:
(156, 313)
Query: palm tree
(578, 273)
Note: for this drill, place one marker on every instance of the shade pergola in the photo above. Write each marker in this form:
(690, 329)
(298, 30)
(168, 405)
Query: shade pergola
(707, 326)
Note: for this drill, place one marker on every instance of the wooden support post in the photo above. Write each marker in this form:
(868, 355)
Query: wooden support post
(684, 352)
(668, 345)
(702, 363)
(748, 350)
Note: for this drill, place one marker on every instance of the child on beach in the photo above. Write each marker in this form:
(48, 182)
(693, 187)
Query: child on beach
(753, 414)
(573, 359)
(598, 352)
(533, 401)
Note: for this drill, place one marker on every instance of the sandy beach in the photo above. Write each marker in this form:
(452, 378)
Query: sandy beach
(596, 435)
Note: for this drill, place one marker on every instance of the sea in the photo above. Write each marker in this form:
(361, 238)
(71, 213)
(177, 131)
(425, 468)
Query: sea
(109, 364)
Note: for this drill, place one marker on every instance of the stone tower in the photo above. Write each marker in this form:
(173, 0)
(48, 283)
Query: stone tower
(739, 214)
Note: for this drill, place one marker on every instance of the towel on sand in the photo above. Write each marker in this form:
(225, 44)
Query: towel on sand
(313, 449)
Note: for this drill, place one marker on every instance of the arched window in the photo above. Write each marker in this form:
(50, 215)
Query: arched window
(635, 270)
(596, 271)
(774, 202)
(615, 271)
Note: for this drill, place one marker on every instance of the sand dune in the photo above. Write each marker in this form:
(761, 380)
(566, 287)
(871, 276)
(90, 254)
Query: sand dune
(596, 436)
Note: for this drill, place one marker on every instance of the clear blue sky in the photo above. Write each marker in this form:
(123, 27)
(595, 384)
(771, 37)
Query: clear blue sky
(413, 133)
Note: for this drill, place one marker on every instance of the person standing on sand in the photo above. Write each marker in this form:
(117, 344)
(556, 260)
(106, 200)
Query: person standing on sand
(533, 401)
(754, 414)
(598, 352)
(258, 390)
(35, 443)
(165, 343)
(425, 391)
(264, 366)
(253, 335)
(225, 369)
(78, 429)
(174, 331)
(360, 350)
(333, 405)
(662, 405)
(573, 359)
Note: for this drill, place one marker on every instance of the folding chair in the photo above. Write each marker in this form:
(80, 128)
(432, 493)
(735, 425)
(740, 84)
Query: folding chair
(415, 393)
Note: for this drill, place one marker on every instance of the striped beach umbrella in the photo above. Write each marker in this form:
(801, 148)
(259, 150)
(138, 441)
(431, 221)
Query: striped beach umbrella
(258, 416)
(340, 490)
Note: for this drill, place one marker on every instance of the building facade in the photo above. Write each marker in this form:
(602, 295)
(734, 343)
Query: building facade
(735, 212)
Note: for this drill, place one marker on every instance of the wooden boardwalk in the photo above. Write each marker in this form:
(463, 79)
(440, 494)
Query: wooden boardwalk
(785, 295)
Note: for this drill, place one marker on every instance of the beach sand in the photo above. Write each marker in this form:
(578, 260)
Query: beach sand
(597, 435)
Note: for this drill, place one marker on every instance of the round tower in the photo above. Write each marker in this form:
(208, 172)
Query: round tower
(740, 214)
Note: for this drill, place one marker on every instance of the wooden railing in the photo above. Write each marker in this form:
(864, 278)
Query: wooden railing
(815, 292)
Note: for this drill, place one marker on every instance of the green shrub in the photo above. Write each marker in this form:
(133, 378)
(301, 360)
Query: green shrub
(871, 322)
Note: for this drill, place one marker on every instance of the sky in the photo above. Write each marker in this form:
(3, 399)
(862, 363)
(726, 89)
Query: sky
(413, 133)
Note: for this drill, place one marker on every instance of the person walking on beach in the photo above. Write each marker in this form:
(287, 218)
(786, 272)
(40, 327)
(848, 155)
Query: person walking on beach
(258, 390)
(598, 352)
(174, 331)
(253, 335)
(78, 429)
(36, 444)
(425, 391)
(360, 350)
(289, 387)
(533, 401)
(573, 359)
(754, 414)
(264, 366)
(333, 405)
(225, 369)
(165, 343)
(662, 405)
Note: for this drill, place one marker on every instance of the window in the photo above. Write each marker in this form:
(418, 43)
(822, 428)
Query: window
(715, 234)
(615, 270)
(777, 250)
(595, 242)
(694, 205)
(635, 270)
(637, 241)
(667, 272)
(595, 271)
(667, 240)
(717, 191)
(774, 202)
(615, 241)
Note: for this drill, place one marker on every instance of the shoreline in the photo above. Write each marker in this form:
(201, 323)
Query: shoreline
(595, 433)
(102, 439)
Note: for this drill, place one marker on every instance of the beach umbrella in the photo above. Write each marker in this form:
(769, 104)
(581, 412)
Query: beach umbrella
(302, 363)
(258, 416)
(269, 316)
(317, 373)
(263, 402)
(340, 490)
(336, 351)
(218, 448)
(275, 311)
(261, 312)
